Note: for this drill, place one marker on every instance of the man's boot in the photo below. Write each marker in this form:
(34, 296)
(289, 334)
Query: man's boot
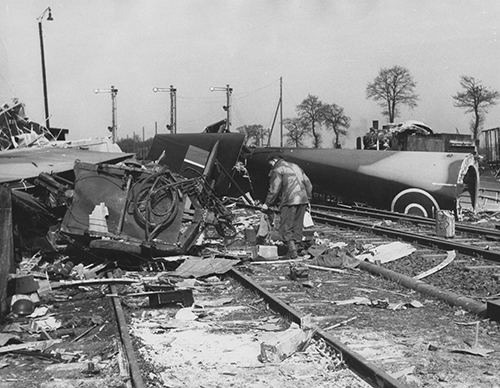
(292, 250)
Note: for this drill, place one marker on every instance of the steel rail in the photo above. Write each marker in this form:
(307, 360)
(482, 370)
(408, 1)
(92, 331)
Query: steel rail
(134, 370)
(399, 216)
(408, 236)
(360, 365)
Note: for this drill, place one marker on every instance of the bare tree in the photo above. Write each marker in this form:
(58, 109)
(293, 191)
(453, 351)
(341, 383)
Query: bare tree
(297, 131)
(255, 134)
(309, 111)
(335, 120)
(391, 88)
(475, 98)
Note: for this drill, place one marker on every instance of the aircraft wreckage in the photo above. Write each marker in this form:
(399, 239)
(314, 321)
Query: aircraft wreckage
(132, 212)
(418, 183)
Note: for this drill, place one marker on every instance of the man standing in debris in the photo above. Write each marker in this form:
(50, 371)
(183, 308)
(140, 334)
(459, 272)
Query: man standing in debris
(288, 181)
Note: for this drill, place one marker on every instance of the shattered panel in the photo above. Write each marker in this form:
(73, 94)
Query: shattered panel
(26, 163)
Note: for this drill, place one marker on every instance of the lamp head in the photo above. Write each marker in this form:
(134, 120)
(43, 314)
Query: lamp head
(50, 18)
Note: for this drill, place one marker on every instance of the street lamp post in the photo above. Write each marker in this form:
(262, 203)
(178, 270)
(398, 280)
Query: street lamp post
(173, 106)
(227, 107)
(47, 11)
(113, 91)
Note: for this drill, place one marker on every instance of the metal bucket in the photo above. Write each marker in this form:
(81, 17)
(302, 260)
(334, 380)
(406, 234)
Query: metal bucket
(445, 224)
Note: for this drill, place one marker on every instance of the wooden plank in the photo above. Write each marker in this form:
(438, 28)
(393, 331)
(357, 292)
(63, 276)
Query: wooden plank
(276, 261)
(6, 246)
(94, 282)
(318, 267)
(40, 345)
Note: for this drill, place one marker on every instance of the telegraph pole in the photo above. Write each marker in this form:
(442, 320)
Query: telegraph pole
(173, 106)
(281, 111)
(227, 107)
(113, 91)
(173, 109)
(42, 52)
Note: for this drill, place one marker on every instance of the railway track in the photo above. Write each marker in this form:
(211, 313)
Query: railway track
(469, 239)
(356, 314)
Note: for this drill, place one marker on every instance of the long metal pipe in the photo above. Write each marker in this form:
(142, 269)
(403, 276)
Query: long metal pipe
(449, 297)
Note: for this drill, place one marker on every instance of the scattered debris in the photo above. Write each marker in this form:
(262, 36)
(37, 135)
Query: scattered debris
(265, 252)
(324, 268)
(342, 323)
(334, 257)
(285, 344)
(445, 224)
(198, 267)
(449, 258)
(36, 345)
(387, 252)
(403, 372)
(298, 271)
(474, 349)
(173, 297)
(185, 314)
(379, 303)
(45, 324)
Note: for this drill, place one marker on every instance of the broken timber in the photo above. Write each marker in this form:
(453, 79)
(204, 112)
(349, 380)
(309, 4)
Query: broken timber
(286, 343)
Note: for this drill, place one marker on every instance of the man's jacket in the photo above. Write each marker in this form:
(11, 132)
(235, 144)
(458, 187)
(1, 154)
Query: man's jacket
(288, 182)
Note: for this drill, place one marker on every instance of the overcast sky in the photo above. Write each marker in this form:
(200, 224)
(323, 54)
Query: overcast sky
(330, 49)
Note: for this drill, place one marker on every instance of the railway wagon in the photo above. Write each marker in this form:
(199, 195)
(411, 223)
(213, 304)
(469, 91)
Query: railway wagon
(492, 147)
(418, 183)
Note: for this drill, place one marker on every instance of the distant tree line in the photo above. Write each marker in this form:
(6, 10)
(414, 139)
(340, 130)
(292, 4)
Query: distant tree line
(391, 89)
(135, 145)
(313, 116)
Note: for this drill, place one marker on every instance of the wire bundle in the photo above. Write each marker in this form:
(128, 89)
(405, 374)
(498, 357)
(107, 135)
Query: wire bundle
(155, 202)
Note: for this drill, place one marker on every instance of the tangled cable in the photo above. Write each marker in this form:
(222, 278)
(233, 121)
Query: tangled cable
(155, 202)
